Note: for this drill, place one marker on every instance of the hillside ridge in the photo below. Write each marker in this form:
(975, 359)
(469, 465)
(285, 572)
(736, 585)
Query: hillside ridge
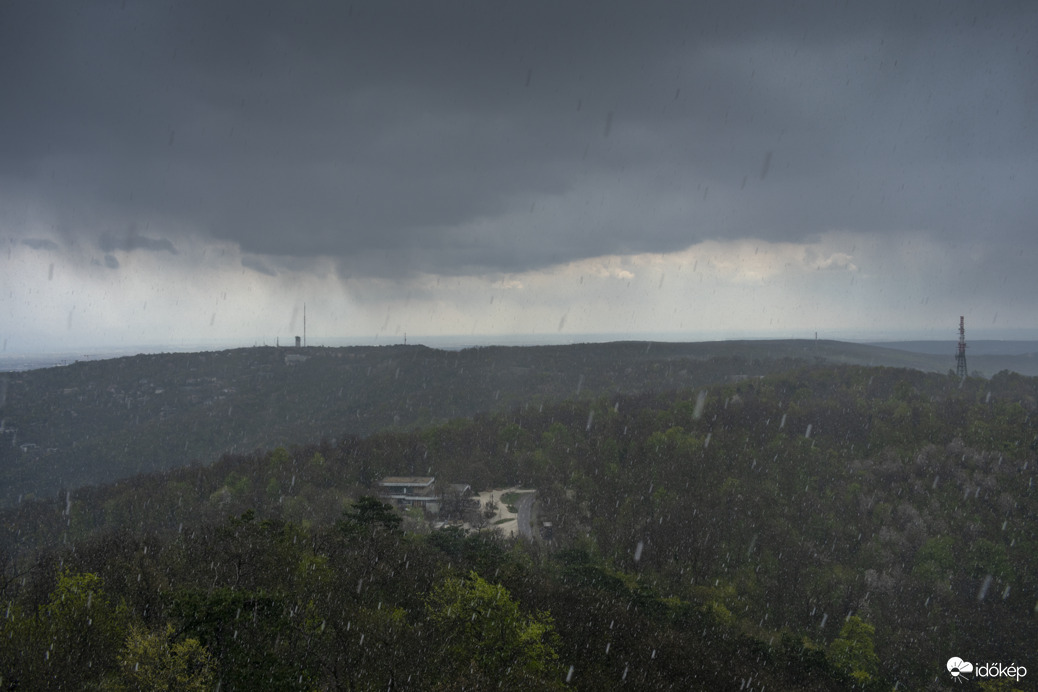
(97, 421)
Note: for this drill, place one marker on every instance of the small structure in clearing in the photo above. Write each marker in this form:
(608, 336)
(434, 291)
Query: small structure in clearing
(411, 491)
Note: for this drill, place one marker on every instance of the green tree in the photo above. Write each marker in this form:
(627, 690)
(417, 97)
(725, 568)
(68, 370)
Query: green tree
(486, 638)
(72, 640)
(153, 661)
(257, 640)
(853, 651)
(368, 515)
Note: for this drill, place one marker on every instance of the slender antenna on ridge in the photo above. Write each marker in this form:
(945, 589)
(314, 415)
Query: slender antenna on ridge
(304, 325)
(960, 356)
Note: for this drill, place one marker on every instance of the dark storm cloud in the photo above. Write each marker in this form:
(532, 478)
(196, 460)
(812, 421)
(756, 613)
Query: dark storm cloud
(459, 137)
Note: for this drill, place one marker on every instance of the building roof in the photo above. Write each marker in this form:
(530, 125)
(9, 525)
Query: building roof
(410, 481)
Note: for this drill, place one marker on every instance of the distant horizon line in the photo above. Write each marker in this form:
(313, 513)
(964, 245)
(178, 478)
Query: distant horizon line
(457, 341)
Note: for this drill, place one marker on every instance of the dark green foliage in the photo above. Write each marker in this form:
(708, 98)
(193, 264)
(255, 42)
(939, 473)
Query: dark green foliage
(814, 530)
(104, 420)
(69, 641)
(257, 640)
(370, 514)
(482, 638)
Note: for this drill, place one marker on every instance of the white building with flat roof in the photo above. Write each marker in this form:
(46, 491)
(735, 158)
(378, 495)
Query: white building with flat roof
(411, 491)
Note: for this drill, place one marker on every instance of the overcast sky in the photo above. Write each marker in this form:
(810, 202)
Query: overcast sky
(184, 172)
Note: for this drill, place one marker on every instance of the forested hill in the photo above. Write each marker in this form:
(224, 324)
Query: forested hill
(94, 422)
(826, 528)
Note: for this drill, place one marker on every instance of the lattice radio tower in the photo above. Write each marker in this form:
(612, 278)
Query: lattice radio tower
(960, 356)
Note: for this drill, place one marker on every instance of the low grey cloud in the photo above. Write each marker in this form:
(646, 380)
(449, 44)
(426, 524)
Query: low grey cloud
(132, 240)
(111, 262)
(40, 243)
(257, 266)
(456, 138)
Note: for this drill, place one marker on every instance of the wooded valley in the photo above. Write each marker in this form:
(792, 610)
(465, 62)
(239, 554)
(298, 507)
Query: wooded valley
(824, 528)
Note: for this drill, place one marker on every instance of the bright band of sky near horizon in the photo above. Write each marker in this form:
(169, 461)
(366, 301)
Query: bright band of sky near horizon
(197, 174)
(712, 290)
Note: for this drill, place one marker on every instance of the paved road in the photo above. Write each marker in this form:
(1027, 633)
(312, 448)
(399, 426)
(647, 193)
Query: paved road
(525, 515)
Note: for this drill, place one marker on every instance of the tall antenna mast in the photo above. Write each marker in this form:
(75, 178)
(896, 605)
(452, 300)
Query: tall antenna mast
(960, 356)
(304, 325)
